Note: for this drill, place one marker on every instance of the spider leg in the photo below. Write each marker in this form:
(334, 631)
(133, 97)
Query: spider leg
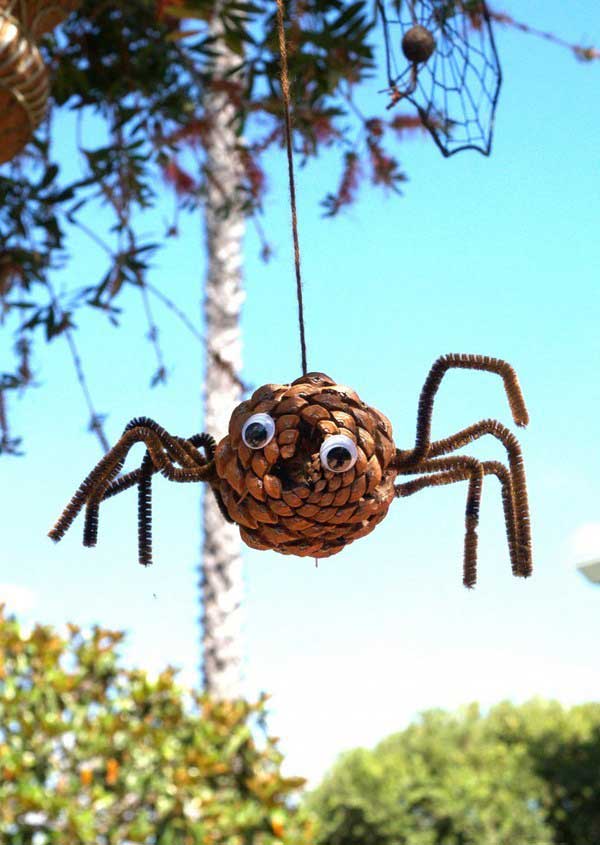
(145, 511)
(160, 445)
(198, 441)
(516, 482)
(116, 455)
(445, 474)
(518, 565)
(177, 448)
(170, 450)
(130, 479)
(448, 471)
(209, 444)
(432, 383)
(92, 510)
(514, 489)
(124, 482)
(143, 478)
(103, 479)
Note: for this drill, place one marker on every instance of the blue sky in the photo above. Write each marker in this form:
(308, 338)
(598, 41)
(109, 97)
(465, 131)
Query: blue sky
(499, 256)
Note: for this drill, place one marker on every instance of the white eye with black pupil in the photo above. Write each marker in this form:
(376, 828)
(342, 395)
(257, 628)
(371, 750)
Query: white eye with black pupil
(338, 453)
(258, 430)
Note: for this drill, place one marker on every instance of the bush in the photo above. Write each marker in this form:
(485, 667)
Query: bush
(526, 775)
(92, 752)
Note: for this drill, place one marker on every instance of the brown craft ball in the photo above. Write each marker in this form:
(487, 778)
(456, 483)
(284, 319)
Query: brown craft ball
(281, 495)
(418, 44)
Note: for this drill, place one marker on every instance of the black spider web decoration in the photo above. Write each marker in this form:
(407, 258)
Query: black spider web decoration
(455, 80)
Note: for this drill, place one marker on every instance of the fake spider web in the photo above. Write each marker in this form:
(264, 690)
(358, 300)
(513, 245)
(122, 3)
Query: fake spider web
(456, 90)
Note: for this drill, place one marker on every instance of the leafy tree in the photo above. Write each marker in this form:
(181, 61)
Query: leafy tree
(173, 89)
(563, 745)
(91, 751)
(524, 774)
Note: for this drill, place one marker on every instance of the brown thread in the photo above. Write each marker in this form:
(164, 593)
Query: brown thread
(285, 87)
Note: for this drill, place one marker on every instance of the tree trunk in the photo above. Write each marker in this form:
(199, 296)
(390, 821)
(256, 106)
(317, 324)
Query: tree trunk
(221, 579)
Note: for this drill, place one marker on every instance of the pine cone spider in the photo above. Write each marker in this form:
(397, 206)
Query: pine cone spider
(307, 468)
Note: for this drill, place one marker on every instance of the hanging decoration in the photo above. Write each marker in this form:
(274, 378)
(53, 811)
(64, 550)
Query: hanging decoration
(308, 468)
(442, 58)
(24, 81)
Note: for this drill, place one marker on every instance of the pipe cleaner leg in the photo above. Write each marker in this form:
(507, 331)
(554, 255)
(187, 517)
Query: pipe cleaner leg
(448, 471)
(518, 483)
(433, 381)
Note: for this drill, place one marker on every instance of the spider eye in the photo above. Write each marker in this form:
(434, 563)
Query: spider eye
(338, 453)
(258, 430)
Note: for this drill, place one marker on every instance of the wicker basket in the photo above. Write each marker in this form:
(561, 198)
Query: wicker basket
(24, 82)
(40, 16)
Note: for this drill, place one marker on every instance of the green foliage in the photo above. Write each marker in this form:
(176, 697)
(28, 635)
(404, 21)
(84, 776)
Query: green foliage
(527, 775)
(93, 752)
(563, 747)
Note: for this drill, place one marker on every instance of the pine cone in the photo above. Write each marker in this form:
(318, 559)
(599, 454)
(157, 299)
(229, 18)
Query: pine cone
(281, 495)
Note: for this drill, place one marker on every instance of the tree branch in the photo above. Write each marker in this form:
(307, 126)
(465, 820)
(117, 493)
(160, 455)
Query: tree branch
(586, 54)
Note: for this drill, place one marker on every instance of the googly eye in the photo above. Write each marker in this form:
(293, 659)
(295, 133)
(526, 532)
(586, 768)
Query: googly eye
(258, 430)
(338, 453)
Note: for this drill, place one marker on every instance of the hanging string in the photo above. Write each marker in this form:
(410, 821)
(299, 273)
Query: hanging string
(285, 87)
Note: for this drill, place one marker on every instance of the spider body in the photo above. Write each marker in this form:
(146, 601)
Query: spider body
(307, 468)
(283, 495)
(418, 44)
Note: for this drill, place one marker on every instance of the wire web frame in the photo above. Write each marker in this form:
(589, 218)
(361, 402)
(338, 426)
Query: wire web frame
(456, 91)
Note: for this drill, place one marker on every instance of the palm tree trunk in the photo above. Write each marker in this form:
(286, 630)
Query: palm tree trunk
(221, 564)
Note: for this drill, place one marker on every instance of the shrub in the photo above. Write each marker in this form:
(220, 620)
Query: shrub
(93, 752)
(527, 775)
